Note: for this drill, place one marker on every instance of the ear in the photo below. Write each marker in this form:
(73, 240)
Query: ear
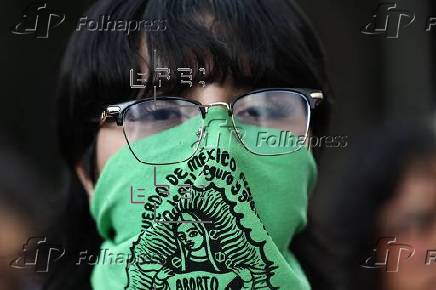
(85, 179)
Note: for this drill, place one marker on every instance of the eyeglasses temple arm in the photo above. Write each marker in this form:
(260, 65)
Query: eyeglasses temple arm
(314, 97)
(114, 113)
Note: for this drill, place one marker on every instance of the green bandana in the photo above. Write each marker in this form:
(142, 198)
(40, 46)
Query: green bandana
(224, 219)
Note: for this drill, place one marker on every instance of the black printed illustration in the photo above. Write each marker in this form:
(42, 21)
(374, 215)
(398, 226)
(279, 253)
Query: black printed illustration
(204, 247)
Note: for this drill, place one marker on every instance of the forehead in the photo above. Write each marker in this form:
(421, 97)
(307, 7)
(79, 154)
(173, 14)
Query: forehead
(215, 93)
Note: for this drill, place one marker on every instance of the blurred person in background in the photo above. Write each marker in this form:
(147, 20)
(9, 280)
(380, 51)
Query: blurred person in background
(25, 207)
(378, 229)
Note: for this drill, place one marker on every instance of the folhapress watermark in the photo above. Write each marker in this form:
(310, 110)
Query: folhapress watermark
(38, 20)
(108, 257)
(285, 139)
(38, 255)
(106, 23)
(389, 254)
(388, 21)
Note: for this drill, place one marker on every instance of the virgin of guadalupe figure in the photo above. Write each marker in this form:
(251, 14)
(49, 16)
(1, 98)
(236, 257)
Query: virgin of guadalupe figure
(194, 243)
(204, 243)
(199, 255)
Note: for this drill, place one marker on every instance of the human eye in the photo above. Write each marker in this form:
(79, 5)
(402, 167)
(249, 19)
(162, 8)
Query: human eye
(193, 233)
(253, 113)
(181, 236)
(164, 114)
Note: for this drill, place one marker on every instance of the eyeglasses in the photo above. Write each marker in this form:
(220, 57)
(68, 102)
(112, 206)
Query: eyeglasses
(267, 122)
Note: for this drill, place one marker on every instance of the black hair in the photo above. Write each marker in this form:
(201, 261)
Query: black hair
(343, 227)
(255, 44)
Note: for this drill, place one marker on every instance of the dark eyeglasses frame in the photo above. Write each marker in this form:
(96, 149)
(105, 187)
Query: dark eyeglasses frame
(115, 113)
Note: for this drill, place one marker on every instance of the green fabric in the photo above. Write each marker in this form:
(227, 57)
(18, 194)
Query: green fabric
(230, 230)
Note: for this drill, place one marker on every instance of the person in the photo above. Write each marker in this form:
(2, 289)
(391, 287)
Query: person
(387, 201)
(202, 129)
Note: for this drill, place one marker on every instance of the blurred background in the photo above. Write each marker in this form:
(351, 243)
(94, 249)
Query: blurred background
(376, 80)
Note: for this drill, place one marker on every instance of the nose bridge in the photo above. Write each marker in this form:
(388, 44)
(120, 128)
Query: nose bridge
(218, 104)
(218, 126)
(217, 113)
